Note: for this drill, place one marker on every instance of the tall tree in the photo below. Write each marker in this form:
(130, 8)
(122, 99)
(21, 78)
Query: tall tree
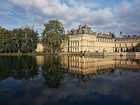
(52, 35)
(18, 40)
(30, 39)
(4, 40)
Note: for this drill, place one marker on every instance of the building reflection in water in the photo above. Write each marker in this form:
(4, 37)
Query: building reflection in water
(55, 68)
(114, 81)
(90, 65)
(40, 60)
(82, 67)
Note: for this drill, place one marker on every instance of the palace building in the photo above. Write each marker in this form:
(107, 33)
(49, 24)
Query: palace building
(40, 47)
(83, 39)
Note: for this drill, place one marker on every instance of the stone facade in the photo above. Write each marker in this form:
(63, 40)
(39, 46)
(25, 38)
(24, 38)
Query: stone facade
(131, 44)
(40, 47)
(84, 39)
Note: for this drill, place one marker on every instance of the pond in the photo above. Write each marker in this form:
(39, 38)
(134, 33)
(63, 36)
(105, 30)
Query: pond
(69, 80)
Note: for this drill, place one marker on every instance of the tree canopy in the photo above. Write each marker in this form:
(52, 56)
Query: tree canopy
(18, 40)
(52, 35)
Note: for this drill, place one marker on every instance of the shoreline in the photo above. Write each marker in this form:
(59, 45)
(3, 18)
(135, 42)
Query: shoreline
(21, 54)
(85, 54)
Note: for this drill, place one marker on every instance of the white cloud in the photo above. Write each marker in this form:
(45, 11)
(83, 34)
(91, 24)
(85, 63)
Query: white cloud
(128, 14)
(82, 3)
(124, 16)
(62, 11)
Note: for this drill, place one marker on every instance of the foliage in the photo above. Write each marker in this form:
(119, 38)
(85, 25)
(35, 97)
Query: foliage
(52, 72)
(18, 67)
(18, 40)
(52, 35)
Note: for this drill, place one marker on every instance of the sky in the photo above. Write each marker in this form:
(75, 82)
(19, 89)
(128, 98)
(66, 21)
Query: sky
(102, 15)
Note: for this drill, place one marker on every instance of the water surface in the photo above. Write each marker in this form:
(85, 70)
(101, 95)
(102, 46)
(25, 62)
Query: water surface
(69, 80)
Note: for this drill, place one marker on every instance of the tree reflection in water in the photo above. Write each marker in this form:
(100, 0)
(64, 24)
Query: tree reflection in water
(17, 67)
(31, 80)
(81, 78)
(52, 72)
